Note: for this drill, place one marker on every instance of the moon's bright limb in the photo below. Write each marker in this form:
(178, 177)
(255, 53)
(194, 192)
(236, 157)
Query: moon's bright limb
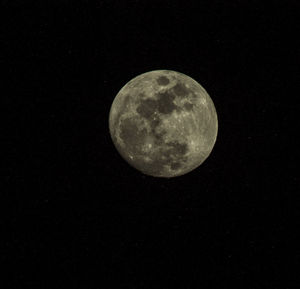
(163, 123)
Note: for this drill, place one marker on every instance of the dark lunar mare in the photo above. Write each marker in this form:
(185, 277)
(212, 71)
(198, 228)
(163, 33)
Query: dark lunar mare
(169, 153)
(165, 102)
(132, 135)
(162, 80)
(180, 89)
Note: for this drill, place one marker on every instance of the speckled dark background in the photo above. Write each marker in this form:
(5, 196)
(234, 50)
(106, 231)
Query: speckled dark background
(77, 216)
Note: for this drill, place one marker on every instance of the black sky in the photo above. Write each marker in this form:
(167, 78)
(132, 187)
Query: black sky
(80, 216)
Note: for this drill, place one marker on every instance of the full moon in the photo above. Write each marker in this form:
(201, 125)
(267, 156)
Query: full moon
(163, 123)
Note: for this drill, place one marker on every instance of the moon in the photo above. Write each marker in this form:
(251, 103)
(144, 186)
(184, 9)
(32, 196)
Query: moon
(163, 123)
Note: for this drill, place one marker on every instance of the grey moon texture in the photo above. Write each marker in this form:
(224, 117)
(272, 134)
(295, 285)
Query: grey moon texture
(163, 123)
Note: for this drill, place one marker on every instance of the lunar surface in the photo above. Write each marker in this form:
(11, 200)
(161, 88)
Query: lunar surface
(163, 123)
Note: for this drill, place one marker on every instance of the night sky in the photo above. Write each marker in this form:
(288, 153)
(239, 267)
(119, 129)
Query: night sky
(78, 216)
